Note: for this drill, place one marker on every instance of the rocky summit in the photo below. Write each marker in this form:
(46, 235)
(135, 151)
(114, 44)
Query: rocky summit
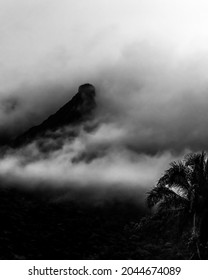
(76, 111)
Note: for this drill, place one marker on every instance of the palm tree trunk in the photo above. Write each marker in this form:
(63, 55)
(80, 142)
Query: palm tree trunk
(195, 235)
(194, 225)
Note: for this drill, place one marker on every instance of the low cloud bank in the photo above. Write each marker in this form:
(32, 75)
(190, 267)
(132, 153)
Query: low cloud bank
(91, 162)
(152, 108)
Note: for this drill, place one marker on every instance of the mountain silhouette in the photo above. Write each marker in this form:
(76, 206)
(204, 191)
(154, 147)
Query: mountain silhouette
(76, 111)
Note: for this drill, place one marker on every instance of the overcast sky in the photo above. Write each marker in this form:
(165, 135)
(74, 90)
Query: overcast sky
(43, 39)
(148, 60)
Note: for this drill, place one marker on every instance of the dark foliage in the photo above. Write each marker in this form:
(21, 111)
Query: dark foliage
(35, 225)
(183, 192)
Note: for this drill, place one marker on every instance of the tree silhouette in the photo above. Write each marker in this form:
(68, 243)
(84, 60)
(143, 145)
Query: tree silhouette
(184, 187)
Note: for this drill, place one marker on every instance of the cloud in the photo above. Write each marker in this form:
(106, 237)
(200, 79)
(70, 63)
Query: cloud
(161, 100)
(148, 89)
(149, 65)
(101, 167)
(152, 108)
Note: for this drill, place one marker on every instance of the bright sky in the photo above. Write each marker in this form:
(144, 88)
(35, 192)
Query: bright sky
(88, 32)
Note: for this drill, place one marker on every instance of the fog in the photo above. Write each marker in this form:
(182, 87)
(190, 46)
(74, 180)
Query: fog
(148, 61)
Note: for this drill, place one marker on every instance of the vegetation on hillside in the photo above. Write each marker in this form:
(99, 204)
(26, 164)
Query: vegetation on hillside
(36, 224)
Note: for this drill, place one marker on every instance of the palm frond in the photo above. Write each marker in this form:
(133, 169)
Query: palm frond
(161, 194)
(182, 184)
(199, 166)
(177, 174)
(173, 205)
(197, 162)
(195, 159)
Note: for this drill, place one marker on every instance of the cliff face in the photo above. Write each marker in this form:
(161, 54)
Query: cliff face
(78, 110)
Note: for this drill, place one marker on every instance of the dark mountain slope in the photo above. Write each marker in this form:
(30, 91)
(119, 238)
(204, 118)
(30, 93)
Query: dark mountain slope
(78, 110)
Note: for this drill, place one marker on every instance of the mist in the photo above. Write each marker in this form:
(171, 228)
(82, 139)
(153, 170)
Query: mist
(150, 73)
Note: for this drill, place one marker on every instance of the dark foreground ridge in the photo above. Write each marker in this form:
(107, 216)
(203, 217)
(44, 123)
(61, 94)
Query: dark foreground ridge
(79, 109)
(38, 225)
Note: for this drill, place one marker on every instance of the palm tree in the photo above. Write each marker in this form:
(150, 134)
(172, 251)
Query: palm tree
(184, 187)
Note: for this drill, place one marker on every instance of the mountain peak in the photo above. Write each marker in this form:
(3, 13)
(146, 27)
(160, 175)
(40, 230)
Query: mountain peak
(87, 89)
(76, 111)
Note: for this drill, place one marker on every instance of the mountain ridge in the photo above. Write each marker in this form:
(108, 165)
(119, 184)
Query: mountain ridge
(76, 111)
